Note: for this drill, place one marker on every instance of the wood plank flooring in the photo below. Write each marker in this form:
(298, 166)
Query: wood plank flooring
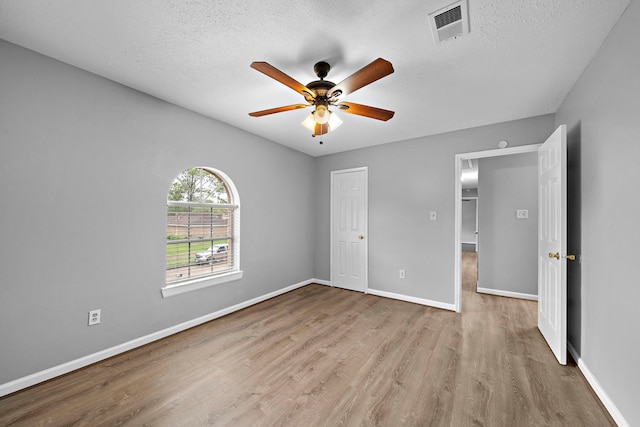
(321, 356)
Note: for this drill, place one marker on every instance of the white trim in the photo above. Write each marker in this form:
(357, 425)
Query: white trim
(364, 169)
(322, 282)
(509, 294)
(400, 297)
(459, 158)
(204, 282)
(597, 388)
(65, 368)
(421, 301)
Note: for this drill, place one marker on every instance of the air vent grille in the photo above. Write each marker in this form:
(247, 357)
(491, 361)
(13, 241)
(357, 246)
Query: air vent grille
(448, 17)
(449, 22)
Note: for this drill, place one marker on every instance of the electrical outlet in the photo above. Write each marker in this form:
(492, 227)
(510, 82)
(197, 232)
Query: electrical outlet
(433, 215)
(522, 213)
(94, 317)
(402, 274)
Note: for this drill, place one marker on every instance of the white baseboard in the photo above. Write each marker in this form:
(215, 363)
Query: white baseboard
(47, 374)
(597, 388)
(422, 301)
(322, 282)
(507, 293)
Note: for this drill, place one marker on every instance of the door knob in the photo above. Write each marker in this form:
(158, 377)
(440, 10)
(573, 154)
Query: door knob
(361, 237)
(557, 256)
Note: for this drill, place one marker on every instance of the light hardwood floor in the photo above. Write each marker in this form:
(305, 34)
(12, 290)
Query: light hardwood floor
(321, 356)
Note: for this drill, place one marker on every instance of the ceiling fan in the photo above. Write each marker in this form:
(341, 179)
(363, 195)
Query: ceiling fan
(323, 94)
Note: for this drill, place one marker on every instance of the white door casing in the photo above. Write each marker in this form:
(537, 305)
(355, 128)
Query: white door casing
(552, 245)
(349, 216)
(459, 158)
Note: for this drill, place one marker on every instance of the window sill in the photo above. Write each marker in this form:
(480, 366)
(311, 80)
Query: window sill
(205, 282)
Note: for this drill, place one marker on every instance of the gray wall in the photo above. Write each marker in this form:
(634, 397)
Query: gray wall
(85, 166)
(469, 225)
(508, 247)
(602, 113)
(407, 180)
(73, 146)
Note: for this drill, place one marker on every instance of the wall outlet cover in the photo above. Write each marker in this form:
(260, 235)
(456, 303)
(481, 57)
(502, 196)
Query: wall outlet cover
(94, 317)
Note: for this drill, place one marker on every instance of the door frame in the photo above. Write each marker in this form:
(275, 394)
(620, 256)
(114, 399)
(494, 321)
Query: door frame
(365, 267)
(459, 158)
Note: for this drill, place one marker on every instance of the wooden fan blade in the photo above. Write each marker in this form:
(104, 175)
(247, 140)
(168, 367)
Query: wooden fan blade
(278, 75)
(321, 129)
(366, 75)
(278, 110)
(365, 110)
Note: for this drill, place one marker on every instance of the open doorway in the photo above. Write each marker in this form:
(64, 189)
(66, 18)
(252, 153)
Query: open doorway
(469, 223)
(467, 161)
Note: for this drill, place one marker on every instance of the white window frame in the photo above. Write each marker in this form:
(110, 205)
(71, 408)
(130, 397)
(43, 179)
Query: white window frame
(214, 278)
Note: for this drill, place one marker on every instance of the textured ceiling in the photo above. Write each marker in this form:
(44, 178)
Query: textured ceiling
(519, 59)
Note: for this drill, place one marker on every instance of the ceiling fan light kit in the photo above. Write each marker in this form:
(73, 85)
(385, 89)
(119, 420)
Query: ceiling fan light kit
(322, 94)
(321, 116)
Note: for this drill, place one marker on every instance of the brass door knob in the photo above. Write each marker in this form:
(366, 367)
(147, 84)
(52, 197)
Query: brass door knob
(557, 256)
(361, 237)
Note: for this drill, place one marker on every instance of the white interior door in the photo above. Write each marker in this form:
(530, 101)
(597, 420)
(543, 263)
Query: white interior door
(349, 229)
(552, 245)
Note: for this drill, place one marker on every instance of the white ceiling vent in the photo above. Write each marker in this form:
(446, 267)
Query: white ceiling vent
(450, 21)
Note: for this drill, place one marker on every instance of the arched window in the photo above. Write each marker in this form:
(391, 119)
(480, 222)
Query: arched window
(203, 223)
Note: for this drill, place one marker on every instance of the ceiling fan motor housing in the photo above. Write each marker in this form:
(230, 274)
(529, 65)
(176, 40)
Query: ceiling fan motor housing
(322, 86)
